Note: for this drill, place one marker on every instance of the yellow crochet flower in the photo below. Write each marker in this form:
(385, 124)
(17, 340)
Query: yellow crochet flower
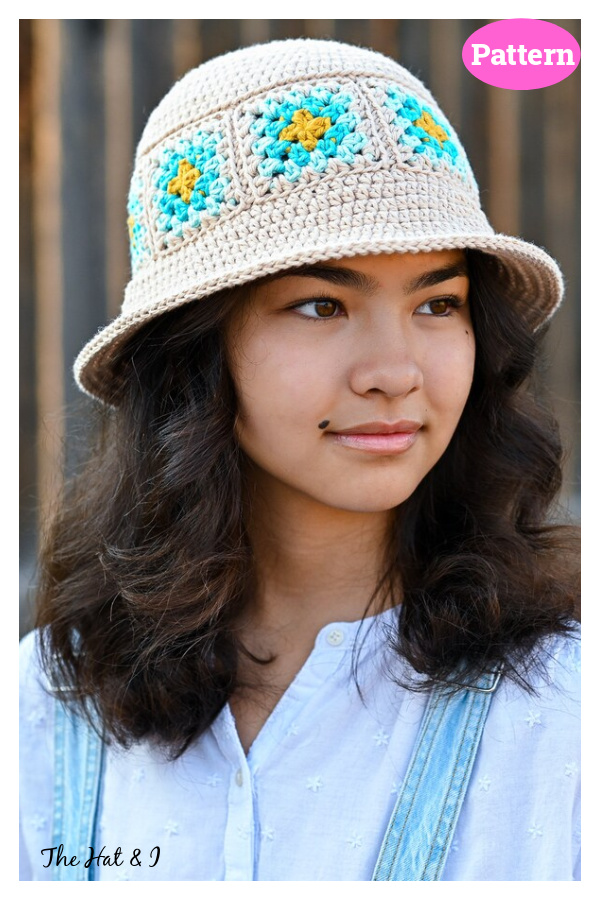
(130, 226)
(428, 124)
(185, 180)
(306, 129)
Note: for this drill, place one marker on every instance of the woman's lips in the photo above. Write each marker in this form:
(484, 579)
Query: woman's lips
(379, 437)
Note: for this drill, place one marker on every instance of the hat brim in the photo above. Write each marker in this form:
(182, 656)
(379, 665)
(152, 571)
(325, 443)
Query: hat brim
(535, 286)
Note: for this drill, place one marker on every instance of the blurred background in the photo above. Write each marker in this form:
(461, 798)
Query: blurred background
(87, 88)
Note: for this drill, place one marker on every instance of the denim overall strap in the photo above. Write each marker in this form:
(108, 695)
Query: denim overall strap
(422, 825)
(78, 758)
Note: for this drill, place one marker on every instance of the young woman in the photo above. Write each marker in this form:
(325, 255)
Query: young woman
(304, 616)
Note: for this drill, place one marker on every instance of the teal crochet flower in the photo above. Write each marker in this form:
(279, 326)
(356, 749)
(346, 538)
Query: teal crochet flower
(138, 244)
(306, 130)
(190, 183)
(421, 129)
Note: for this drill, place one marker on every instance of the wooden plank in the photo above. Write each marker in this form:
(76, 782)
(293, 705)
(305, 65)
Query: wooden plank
(27, 324)
(446, 68)
(82, 200)
(561, 214)
(474, 97)
(219, 36)
(413, 42)
(352, 31)
(253, 31)
(280, 29)
(187, 46)
(534, 158)
(152, 68)
(319, 28)
(504, 153)
(118, 144)
(383, 37)
(28, 482)
(47, 226)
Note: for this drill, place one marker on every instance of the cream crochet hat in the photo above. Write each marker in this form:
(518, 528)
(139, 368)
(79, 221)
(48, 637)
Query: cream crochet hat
(292, 152)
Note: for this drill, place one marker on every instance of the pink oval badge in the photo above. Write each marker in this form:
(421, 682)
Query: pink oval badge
(521, 54)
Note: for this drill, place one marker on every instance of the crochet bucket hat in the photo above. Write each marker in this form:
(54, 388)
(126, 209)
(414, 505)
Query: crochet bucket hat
(288, 153)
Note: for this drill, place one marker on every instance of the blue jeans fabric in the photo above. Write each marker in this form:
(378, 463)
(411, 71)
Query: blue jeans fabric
(420, 831)
(78, 758)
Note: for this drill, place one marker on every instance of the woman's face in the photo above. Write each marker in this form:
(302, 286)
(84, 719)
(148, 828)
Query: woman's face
(351, 375)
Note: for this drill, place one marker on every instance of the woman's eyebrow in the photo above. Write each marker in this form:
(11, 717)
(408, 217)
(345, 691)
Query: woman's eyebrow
(366, 283)
(436, 276)
(340, 276)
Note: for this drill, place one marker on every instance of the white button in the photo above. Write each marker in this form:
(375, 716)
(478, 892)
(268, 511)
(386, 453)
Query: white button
(239, 778)
(335, 637)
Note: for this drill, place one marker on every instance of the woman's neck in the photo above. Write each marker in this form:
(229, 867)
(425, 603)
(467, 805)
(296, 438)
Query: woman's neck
(314, 564)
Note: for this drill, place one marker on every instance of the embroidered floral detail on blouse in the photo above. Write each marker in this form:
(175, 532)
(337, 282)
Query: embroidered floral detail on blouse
(455, 846)
(190, 182)
(314, 784)
(355, 840)
(395, 788)
(484, 783)
(292, 730)
(267, 834)
(422, 130)
(138, 774)
(213, 780)
(38, 822)
(535, 831)
(138, 235)
(571, 768)
(306, 130)
(534, 718)
(382, 739)
(37, 716)
(171, 827)
(243, 832)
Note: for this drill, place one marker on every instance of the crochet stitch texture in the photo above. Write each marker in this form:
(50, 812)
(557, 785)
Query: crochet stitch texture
(288, 153)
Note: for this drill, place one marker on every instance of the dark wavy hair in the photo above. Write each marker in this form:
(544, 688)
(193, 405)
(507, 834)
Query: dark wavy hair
(148, 565)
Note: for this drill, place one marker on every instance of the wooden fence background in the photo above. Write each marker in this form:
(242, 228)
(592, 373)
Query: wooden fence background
(87, 87)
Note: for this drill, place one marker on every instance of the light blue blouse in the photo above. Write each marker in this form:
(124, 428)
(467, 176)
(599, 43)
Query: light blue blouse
(312, 799)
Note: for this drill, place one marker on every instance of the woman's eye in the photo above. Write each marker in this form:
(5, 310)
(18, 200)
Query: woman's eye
(441, 307)
(318, 309)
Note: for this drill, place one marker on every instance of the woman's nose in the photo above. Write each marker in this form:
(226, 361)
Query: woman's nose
(387, 363)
